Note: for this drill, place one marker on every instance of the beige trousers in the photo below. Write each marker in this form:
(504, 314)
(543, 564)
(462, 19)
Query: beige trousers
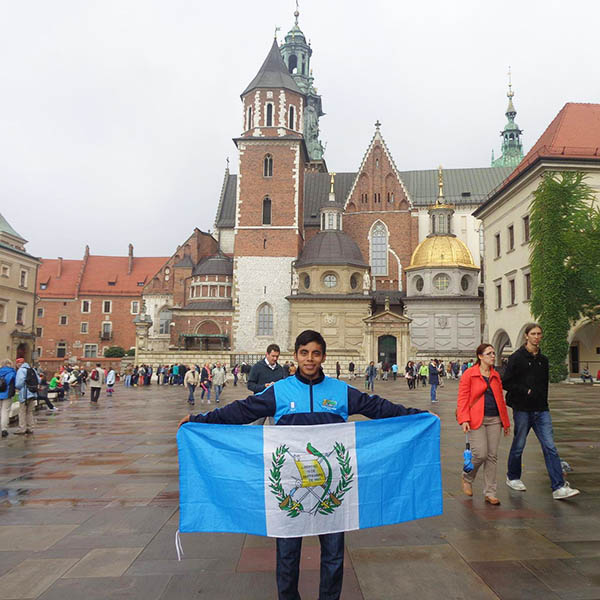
(484, 447)
(5, 413)
(26, 420)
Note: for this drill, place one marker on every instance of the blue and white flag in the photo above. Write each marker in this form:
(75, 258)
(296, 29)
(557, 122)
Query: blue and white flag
(306, 480)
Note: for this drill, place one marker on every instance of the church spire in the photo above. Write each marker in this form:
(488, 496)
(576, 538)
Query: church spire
(512, 147)
(296, 53)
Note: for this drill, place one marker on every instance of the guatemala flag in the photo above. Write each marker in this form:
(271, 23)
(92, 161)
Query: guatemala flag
(292, 481)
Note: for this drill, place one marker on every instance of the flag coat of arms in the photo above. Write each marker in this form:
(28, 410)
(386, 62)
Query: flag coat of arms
(292, 481)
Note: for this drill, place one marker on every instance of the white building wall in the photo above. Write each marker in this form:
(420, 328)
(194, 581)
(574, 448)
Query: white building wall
(260, 279)
(510, 210)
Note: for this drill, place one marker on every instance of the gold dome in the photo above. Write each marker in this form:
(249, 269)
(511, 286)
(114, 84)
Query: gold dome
(441, 251)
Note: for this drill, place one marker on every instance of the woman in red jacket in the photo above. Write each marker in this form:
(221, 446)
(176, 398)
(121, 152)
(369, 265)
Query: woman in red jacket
(482, 414)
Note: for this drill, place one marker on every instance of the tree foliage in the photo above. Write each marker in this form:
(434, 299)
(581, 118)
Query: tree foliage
(114, 352)
(565, 255)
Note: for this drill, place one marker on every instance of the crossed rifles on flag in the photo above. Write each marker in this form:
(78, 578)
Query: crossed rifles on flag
(312, 475)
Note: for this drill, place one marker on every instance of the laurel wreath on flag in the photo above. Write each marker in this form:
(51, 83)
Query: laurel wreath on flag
(330, 501)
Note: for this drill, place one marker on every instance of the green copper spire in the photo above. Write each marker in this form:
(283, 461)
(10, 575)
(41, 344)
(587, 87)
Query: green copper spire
(296, 54)
(512, 147)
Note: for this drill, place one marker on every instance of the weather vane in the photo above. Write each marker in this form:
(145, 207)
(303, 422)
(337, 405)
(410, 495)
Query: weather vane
(276, 30)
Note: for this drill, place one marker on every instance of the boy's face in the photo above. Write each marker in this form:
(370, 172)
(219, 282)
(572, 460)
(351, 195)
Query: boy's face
(309, 359)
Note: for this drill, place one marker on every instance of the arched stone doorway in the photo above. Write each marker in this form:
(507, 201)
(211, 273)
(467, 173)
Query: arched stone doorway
(584, 348)
(502, 345)
(386, 349)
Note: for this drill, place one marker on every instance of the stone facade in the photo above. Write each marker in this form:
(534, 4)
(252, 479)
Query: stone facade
(18, 276)
(261, 281)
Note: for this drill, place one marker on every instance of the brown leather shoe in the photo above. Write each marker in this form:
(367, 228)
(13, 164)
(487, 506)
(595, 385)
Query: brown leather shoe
(467, 487)
(492, 500)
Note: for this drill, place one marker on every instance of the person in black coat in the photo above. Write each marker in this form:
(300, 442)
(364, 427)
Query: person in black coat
(265, 372)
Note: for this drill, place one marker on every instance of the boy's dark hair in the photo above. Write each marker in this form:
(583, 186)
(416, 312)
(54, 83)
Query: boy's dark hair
(308, 336)
(273, 348)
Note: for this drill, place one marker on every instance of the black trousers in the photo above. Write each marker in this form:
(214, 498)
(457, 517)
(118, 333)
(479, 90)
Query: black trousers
(332, 566)
(95, 393)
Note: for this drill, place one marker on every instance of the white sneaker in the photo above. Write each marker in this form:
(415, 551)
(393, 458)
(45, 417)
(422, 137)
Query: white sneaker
(564, 492)
(516, 484)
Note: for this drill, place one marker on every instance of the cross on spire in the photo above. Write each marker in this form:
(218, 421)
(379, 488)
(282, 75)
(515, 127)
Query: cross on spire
(377, 124)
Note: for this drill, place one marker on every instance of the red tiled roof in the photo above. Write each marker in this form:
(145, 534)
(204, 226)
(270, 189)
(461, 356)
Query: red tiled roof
(102, 269)
(573, 134)
(99, 271)
(63, 287)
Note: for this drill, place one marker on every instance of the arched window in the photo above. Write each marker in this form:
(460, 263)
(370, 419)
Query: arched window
(268, 166)
(379, 250)
(265, 320)
(249, 122)
(292, 118)
(269, 115)
(293, 63)
(266, 215)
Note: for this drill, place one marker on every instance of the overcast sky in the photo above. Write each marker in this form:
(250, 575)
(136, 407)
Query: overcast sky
(116, 117)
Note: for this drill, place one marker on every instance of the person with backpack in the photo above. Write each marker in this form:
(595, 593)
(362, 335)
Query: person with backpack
(96, 382)
(7, 391)
(27, 382)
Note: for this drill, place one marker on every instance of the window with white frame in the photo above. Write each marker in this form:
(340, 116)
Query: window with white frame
(512, 292)
(265, 320)
(135, 307)
(526, 229)
(268, 166)
(498, 295)
(90, 350)
(40, 313)
(39, 331)
(20, 315)
(63, 320)
(498, 247)
(86, 306)
(61, 349)
(164, 320)
(84, 328)
(379, 249)
(107, 306)
(106, 330)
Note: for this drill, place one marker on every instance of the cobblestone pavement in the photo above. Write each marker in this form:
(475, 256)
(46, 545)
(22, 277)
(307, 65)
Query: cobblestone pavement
(89, 509)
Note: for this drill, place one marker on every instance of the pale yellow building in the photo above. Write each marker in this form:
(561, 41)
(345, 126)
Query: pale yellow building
(18, 276)
(570, 143)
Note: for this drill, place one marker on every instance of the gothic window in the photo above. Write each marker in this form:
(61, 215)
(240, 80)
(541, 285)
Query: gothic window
(379, 250)
(292, 118)
(269, 115)
(268, 166)
(266, 213)
(249, 122)
(265, 320)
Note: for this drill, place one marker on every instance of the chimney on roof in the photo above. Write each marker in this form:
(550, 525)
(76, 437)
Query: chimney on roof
(130, 268)
(59, 269)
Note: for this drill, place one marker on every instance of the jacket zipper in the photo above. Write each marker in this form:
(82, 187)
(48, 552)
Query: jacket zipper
(310, 386)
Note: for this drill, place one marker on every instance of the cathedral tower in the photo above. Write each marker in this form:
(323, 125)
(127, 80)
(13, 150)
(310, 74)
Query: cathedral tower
(512, 147)
(296, 54)
(268, 228)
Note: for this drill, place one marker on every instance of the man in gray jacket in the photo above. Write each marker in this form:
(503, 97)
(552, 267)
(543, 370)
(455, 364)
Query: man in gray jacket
(96, 382)
(218, 380)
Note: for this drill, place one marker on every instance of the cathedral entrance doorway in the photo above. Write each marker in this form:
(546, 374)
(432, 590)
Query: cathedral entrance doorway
(386, 349)
(22, 351)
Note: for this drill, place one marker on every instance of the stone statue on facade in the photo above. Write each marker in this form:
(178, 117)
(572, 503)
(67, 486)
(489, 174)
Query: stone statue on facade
(366, 282)
(295, 281)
